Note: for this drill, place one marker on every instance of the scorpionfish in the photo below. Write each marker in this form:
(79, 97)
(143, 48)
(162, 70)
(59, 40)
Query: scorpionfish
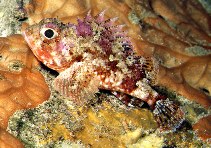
(94, 54)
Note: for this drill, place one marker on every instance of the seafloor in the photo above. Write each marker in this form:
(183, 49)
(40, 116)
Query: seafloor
(105, 123)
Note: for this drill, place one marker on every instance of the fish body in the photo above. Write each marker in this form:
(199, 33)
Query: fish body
(93, 54)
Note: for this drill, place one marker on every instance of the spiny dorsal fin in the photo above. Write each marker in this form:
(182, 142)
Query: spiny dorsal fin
(100, 17)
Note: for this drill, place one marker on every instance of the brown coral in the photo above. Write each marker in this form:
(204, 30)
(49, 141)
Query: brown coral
(191, 20)
(186, 20)
(173, 34)
(191, 79)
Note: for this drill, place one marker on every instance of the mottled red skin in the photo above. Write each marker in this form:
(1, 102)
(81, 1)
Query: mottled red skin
(108, 46)
(93, 54)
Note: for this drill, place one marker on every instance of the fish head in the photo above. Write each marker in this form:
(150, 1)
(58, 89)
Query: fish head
(47, 41)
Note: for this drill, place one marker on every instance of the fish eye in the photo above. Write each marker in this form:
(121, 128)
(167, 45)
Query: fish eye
(48, 33)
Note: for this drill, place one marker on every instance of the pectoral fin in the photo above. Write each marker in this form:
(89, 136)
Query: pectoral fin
(78, 83)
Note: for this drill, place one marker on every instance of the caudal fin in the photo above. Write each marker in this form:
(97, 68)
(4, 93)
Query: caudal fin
(168, 115)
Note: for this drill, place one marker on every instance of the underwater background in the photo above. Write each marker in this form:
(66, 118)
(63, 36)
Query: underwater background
(47, 119)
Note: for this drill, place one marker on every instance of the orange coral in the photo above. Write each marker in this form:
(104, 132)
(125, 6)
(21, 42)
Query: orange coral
(15, 54)
(21, 85)
(20, 91)
(8, 141)
(203, 128)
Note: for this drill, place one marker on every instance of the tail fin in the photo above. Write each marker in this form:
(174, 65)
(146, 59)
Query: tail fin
(168, 115)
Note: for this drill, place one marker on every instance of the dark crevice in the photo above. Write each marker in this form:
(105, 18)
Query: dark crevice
(206, 91)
